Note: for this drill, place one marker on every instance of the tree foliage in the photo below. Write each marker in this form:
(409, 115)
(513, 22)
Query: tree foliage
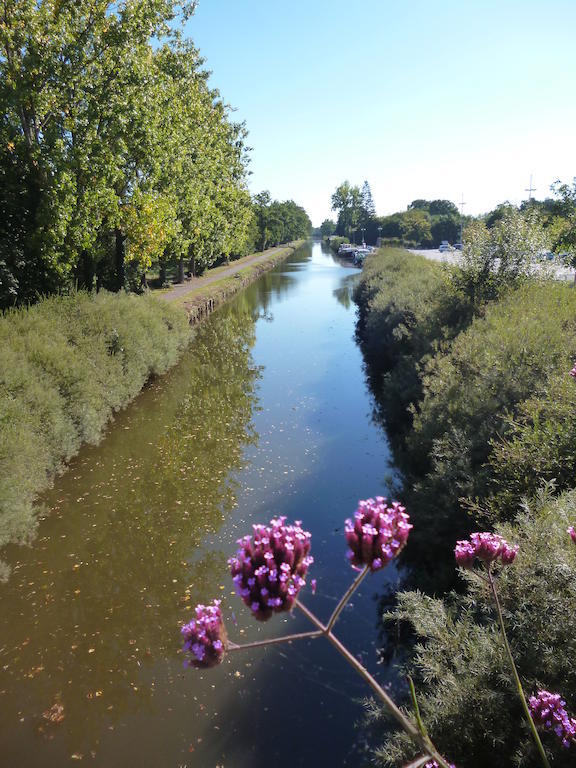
(114, 148)
(277, 222)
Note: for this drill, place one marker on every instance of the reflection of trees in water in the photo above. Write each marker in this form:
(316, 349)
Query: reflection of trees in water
(343, 294)
(93, 609)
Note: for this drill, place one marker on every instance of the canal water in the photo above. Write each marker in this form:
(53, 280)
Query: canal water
(267, 414)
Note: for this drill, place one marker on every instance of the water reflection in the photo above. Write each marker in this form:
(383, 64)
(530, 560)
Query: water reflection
(89, 619)
(268, 414)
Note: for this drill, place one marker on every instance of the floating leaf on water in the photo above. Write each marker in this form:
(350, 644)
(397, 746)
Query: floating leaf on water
(55, 714)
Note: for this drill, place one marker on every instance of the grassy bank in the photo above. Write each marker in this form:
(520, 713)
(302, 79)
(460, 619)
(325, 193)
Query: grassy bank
(481, 408)
(66, 365)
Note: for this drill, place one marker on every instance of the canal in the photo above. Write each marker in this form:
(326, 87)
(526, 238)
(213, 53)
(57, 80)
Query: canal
(268, 413)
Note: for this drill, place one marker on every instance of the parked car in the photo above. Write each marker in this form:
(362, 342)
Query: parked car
(444, 246)
(458, 246)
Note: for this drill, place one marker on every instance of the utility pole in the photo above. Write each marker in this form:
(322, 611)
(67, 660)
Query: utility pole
(530, 189)
(462, 204)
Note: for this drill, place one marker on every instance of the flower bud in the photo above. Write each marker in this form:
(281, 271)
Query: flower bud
(487, 547)
(269, 569)
(205, 637)
(377, 533)
(548, 710)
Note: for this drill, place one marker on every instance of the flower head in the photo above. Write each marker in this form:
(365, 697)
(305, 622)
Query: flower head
(205, 636)
(572, 533)
(573, 371)
(548, 710)
(487, 547)
(377, 533)
(434, 764)
(270, 567)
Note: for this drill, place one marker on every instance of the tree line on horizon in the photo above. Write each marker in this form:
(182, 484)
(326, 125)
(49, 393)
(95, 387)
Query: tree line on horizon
(426, 223)
(117, 156)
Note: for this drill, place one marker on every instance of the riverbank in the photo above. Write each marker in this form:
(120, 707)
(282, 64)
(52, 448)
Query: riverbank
(140, 528)
(68, 364)
(478, 399)
(200, 296)
(71, 362)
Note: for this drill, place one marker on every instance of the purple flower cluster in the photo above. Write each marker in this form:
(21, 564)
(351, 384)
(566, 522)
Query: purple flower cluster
(548, 710)
(205, 636)
(434, 764)
(377, 533)
(269, 569)
(572, 533)
(573, 371)
(487, 547)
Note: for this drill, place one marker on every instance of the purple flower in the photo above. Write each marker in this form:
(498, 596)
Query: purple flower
(572, 533)
(205, 636)
(434, 764)
(377, 533)
(573, 371)
(548, 710)
(270, 567)
(487, 547)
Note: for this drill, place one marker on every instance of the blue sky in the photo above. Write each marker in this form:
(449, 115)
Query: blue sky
(423, 99)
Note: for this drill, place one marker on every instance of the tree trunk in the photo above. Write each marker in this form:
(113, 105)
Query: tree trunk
(86, 271)
(181, 269)
(119, 262)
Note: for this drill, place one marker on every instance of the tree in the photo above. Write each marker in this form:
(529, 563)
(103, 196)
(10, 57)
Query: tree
(445, 227)
(347, 200)
(368, 207)
(496, 259)
(327, 228)
(415, 226)
(117, 151)
(443, 208)
(564, 223)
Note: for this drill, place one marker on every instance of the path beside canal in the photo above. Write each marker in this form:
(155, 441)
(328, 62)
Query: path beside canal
(199, 296)
(219, 273)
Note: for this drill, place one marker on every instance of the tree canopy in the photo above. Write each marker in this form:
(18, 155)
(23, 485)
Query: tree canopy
(116, 153)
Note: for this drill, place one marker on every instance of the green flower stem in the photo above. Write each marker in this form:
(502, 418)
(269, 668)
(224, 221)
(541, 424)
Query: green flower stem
(417, 733)
(421, 725)
(352, 588)
(273, 641)
(407, 726)
(515, 674)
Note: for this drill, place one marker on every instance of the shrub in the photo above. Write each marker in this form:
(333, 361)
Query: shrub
(467, 692)
(66, 365)
(407, 308)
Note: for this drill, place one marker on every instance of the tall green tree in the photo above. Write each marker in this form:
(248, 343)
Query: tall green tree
(347, 200)
(116, 153)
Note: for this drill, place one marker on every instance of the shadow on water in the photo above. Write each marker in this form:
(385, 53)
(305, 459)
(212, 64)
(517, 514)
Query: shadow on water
(266, 414)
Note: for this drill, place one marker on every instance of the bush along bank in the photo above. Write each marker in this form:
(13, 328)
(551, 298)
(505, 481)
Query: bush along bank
(66, 365)
(480, 403)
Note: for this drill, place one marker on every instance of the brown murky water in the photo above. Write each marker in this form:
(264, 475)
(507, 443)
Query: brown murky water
(268, 413)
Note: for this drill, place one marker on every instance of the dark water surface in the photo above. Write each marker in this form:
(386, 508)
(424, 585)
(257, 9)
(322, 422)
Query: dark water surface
(268, 413)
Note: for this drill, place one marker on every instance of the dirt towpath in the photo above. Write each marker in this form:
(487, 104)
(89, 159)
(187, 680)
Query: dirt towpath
(213, 275)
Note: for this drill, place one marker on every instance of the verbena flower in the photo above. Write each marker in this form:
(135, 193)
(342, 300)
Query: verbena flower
(205, 636)
(434, 764)
(377, 533)
(487, 547)
(573, 371)
(572, 533)
(270, 567)
(548, 710)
